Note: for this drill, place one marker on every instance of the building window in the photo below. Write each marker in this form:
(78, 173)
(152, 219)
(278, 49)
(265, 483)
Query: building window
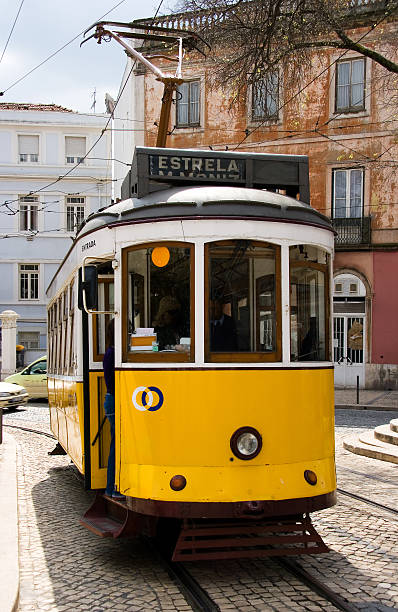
(74, 213)
(28, 213)
(350, 86)
(28, 281)
(75, 149)
(188, 104)
(348, 193)
(28, 149)
(265, 98)
(31, 341)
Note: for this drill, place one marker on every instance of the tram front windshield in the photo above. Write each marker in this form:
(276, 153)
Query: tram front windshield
(243, 297)
(159, 299)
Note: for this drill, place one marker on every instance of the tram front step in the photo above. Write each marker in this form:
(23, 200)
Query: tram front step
(201, 540)
(111, 518)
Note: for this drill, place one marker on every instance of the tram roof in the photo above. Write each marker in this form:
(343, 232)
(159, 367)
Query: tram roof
(198, 202)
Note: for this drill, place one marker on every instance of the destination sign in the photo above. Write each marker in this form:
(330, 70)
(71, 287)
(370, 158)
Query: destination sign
(217, 168)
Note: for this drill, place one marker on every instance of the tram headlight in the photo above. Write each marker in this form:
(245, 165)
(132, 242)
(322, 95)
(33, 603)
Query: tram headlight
(246, 443)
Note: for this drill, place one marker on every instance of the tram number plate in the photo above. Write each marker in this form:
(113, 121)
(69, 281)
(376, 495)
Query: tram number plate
(197, 167)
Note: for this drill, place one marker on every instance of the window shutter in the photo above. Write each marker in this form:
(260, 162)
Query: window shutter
(194, 100)
(28, 145)
(75, 146)
(182, 104)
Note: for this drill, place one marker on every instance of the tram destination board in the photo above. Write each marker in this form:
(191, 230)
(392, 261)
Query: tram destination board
(199, 168)
(154, 169)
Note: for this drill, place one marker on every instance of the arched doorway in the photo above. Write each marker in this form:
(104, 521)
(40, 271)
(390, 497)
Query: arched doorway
(349, 330)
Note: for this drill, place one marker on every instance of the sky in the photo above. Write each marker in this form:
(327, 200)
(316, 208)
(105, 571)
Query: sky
(71, 76)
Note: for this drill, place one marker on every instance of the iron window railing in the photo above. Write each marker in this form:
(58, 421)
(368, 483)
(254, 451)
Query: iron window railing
(352, 230)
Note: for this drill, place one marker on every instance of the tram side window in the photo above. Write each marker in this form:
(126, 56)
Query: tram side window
(243, 301)
(106, 302)
(50, 333)
(157, 302)
(309, 304)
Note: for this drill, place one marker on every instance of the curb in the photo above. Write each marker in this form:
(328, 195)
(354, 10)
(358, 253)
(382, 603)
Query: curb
(9, 558)
(365, 407)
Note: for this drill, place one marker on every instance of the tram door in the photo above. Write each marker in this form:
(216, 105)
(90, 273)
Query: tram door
(348, 350)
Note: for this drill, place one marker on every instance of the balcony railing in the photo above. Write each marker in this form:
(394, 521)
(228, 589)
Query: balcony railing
(352, 231)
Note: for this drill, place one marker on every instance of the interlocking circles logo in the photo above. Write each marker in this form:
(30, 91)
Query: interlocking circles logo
(147, 398)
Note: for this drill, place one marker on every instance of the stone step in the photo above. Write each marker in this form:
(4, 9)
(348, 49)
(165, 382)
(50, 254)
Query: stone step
(394, 425)
(386, 434)
(367, 445)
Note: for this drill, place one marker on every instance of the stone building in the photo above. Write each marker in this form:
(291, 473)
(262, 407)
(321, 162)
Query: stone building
(345, 120)
(44, 195)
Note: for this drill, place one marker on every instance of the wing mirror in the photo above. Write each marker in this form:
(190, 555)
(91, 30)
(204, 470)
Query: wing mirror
(88, 288)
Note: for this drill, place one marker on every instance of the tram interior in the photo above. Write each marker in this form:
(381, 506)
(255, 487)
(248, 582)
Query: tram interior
(159, 299)
(308, 291)
(242, 297)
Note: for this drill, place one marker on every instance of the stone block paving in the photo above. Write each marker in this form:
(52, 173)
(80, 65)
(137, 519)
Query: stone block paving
(64, 567)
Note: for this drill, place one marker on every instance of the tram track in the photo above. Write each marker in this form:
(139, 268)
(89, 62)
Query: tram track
(316, 585)
(36, 431)
(368, 501)
(200, 600)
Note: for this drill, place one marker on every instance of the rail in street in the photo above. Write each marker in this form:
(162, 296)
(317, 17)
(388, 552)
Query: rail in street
(65, 567)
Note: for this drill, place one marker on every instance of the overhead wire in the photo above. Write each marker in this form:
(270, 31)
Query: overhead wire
(12, 29)
(111, 116)
(385, 15)
(58, 51)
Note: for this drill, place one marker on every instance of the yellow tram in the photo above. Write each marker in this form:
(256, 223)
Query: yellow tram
(216, 271)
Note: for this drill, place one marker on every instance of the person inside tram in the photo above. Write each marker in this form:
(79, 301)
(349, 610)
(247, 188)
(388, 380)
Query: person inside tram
(309, 346)
(223, 336)
(109, 407)
(168, 324)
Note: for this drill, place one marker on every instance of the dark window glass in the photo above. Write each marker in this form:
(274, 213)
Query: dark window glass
(265, 98)
(309, 326)
(158, 288)
(243, 297)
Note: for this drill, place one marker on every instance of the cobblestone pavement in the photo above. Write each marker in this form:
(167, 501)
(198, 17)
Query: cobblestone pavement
(64, 567)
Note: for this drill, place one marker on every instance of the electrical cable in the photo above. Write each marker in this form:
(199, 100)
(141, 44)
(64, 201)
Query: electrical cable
(314, 79)
(58, 51)
(12, 29)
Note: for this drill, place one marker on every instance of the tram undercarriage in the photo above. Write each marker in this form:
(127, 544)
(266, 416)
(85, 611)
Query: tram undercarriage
(255, 530)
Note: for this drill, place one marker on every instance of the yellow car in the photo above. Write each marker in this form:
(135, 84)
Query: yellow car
(33, 378)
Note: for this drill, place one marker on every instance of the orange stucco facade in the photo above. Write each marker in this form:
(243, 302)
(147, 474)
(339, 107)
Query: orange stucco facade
(308, 124)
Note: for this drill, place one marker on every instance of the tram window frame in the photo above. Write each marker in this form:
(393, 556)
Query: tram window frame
(65, 330)
(49, 338)
(71, 322)
(325, 269)
(244, 356)
(158, 356)
(53, 334)
(106, 281)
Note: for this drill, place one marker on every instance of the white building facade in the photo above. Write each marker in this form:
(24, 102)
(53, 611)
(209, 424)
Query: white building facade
(55, 169)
